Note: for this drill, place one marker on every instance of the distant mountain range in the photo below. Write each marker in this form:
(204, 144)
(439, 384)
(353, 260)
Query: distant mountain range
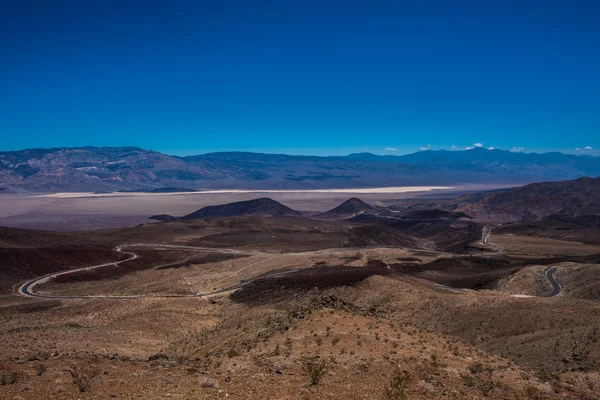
(132, 168)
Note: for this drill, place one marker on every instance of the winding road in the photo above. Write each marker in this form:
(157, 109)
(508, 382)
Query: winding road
(556, 286)
(27, 289)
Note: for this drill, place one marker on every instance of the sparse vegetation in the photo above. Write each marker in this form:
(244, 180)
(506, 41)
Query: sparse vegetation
(82, 378)
(40, 369)
(396, 390)
(533, 393)
(233, 352)
(481, 378)
(8, 377)
(316, 368)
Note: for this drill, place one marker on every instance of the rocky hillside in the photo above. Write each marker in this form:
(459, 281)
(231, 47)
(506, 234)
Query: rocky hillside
(567, 199)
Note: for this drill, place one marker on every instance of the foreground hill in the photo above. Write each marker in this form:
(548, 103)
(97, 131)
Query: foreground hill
(133, 168)
(247, 306)
(566, 199)
(372, 317)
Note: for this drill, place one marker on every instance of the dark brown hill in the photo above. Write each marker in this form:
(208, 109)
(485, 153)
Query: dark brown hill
(348, 209)
(263, 207)
(535, 201)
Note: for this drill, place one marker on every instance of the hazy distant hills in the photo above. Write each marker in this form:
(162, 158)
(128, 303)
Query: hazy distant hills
(132, 168)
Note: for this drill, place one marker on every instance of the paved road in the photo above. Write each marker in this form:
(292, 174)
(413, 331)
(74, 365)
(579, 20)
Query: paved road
(27, 289)
(550, 276)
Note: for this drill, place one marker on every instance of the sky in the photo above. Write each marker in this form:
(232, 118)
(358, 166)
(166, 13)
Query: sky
(301, 77)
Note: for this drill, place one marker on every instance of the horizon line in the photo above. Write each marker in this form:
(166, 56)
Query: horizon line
(449, 150)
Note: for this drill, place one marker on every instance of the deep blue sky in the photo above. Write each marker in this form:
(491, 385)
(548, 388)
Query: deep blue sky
(312, 77)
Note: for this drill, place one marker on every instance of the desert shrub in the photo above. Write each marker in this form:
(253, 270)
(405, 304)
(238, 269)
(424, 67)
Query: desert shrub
(277, 351)
(316, 369)
(481, 378)
(533, 393)
(479, 368)
(82, 378)
(233, 352)
(194, 369)
(428, 370)
(396, 389)
(547, 377)
(364, 365)
(9, 377)
(40, 369)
